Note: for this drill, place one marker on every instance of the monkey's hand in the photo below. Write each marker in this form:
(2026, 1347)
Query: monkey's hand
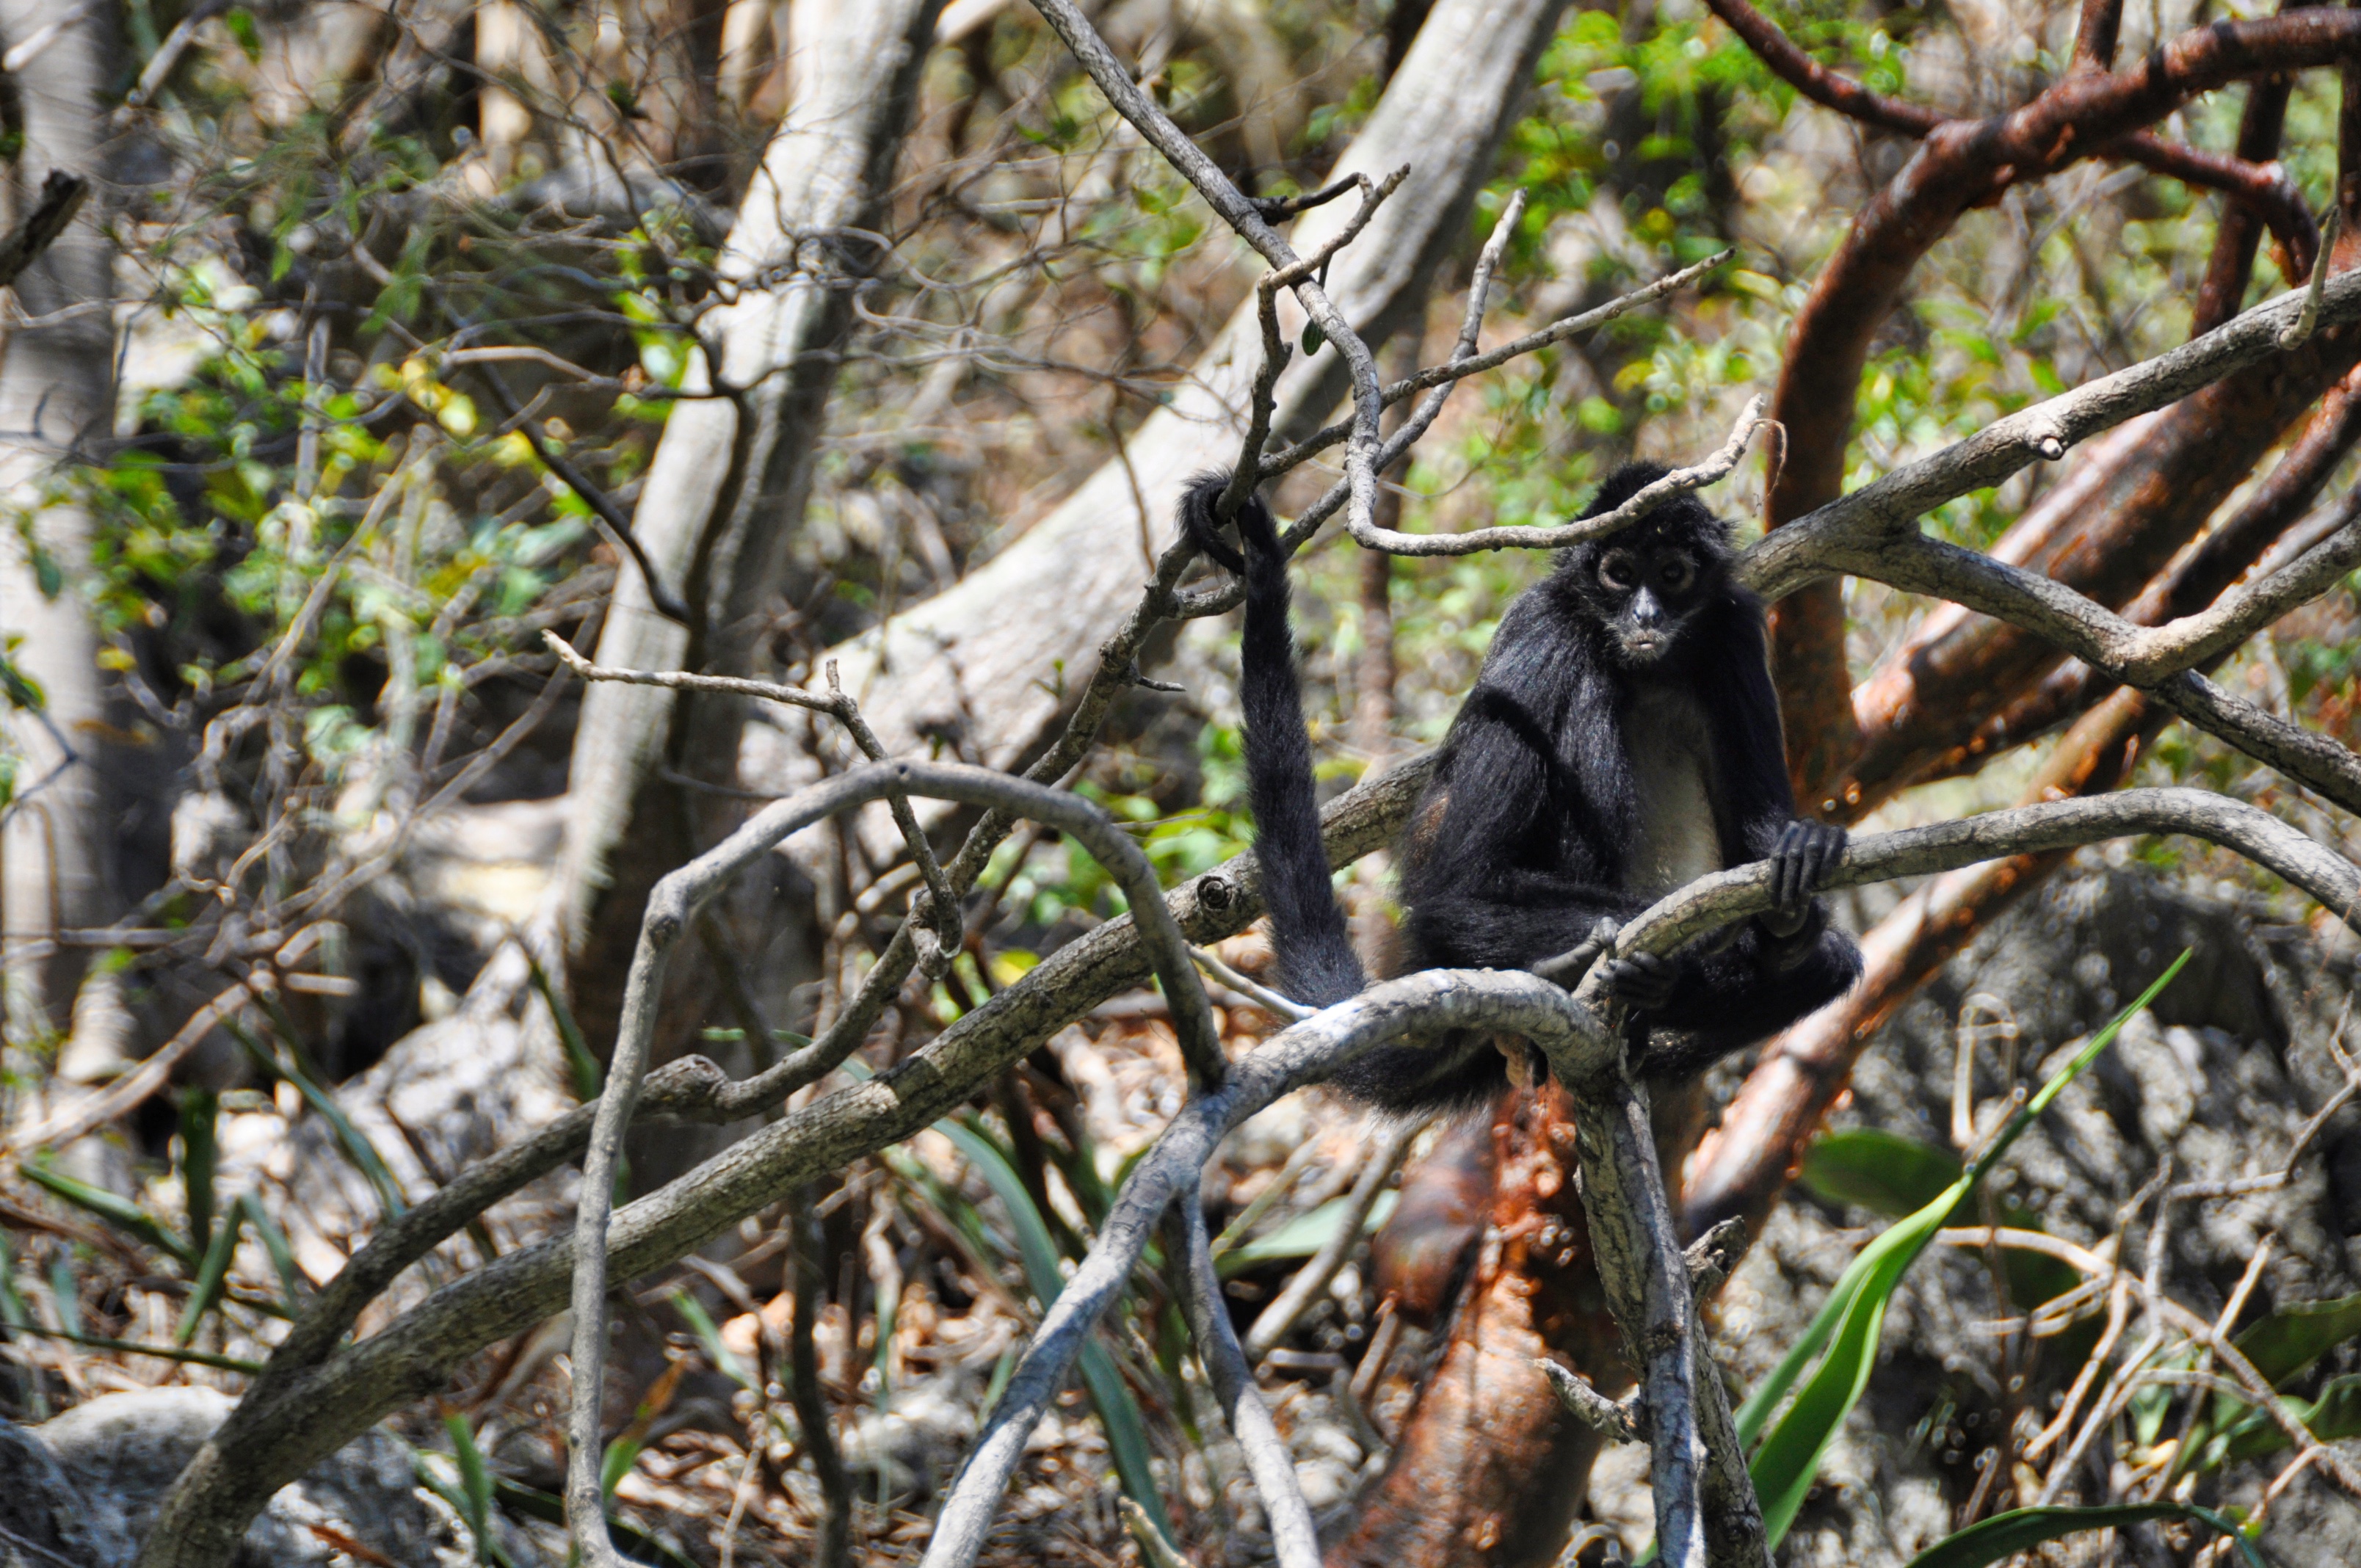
(1643, 982)
(1800, 863)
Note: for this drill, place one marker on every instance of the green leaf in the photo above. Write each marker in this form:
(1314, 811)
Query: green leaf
(1990, 1540)
(1848, 1324)
(1302, 1235)
(293, 1286)
(1881, 1171)
(2332, 1418)
(709, 1335)
(200, 1158)
(240, 23)
(211, 1275)
(2290, 1338)
(121, 1212)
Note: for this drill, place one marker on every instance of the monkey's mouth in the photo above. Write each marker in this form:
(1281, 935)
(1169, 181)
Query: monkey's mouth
(1646, 645)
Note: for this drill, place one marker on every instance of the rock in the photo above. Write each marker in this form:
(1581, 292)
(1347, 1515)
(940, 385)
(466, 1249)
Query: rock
(2220, 1079)
(44, 1518)
(115, 1457)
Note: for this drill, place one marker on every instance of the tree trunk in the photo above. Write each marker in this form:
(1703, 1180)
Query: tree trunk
(727, 487)
(967, 667)
(56, 398)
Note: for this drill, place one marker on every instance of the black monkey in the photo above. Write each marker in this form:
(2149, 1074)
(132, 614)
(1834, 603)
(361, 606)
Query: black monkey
(1623, 739)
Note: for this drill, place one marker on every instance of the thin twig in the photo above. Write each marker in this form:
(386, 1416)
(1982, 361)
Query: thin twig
(1230, 1370)
(1311, 1281)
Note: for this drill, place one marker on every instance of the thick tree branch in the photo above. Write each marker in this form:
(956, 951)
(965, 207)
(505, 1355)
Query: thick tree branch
(2142, 657)
(1712, 902)
(673, 908)
(286, 1423)
(1418, 1007)
(1788, 557)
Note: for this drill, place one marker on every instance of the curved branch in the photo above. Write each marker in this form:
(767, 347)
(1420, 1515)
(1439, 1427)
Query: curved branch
(2265, 187)
(287, 1424)
(2146, 658)
(1715, 900)
(1420, 1006)
(1679, 482)
(1293, 1539)
(1790, 556)
(673, 906)
(1830, 89)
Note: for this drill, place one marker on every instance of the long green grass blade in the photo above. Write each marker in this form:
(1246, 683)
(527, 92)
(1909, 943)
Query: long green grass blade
(2003, 1535)
(212, 1274)
(119, 1211)
(1847, 1326)
(200, 1160)
(1127, 1431)
(293, 1286)
(355, 1144)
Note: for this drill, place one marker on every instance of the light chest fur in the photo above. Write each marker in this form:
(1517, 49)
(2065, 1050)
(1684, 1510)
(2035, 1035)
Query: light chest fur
(1671, 750)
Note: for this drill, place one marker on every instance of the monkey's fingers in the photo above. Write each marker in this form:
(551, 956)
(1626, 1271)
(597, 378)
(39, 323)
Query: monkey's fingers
(1643, 982)
(1828, 847)
(1789, 859)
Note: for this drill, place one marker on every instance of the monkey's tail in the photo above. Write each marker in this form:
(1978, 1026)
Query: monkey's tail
(1317, 965)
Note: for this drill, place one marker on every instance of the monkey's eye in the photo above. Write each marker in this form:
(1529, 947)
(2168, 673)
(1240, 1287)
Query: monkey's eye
(1676, 574)
(1620, 571)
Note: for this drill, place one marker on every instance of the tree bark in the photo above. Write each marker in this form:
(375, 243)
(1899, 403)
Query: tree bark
(1490, 1468)
(728, 482)
(968, 666)
(57, 396)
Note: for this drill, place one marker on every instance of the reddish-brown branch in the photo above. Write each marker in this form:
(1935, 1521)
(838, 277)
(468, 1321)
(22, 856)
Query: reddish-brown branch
(1959, 165)
(2218, 561)
(2257, 188)
(2232, 265)
(1489, 1465)
(1830, 89)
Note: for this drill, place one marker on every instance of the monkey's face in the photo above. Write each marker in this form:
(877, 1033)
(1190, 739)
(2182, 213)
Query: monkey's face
(1647, 587)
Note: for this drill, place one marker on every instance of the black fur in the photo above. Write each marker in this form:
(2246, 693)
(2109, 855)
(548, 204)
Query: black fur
(1522, 841)
(1316, 962)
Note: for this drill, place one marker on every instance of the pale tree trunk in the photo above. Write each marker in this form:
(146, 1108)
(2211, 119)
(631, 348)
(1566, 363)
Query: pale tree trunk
(729, 481)
(976, 665)
(56, 398)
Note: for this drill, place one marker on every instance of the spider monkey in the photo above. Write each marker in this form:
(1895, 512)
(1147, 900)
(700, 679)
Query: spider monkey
(1622, 739)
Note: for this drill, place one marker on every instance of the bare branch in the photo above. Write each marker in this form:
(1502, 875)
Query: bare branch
(1679, 482)
(2106, 642)
(1458, 369)
(1715, 900)
(1313, 1278)
(1415, 1007)
(673, 905)
(1231, 1371)
(1123, 94)
(2297, 333)
(1788, 557)
(1615, 1423)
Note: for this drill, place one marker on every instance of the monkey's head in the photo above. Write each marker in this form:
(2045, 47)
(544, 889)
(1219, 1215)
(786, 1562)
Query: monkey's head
(1646, 583)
